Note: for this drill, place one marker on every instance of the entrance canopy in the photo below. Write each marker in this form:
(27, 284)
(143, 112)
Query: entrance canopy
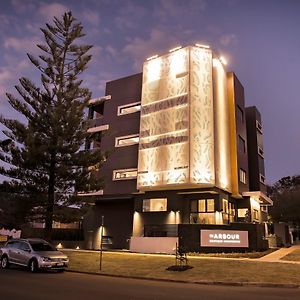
(260, 197)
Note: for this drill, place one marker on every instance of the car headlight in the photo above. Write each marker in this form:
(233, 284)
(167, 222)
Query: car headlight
(46, 259)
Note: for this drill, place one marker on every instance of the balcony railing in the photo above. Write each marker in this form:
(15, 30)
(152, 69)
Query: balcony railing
(95, 122)
(96, 125)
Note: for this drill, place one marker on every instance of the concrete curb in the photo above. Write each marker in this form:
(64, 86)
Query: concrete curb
(203, 282)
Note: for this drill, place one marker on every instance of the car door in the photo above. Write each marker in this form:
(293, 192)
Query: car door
(24, 253)
(13, 251)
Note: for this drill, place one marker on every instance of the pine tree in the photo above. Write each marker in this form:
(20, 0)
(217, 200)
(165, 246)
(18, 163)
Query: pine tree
(46, 163)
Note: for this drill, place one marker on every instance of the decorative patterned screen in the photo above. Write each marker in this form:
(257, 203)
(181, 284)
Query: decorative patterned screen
(177, 133)
(164, 135)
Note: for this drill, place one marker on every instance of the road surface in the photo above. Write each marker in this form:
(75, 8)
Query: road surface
(20, 284)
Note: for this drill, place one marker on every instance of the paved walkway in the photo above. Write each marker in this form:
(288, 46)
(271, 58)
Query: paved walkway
(277, 255)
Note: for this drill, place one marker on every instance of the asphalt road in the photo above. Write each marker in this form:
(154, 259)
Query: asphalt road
(20, 284)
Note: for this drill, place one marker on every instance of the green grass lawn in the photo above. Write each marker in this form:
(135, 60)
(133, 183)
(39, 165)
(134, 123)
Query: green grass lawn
(204, 269)
(293, 256)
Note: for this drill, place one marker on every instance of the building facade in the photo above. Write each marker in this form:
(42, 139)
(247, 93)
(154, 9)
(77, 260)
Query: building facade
(186, 162)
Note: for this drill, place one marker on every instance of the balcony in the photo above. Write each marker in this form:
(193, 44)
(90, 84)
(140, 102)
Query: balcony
(97, 101)
(96, 125)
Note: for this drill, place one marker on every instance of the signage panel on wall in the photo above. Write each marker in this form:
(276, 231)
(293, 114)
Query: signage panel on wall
(224, 238)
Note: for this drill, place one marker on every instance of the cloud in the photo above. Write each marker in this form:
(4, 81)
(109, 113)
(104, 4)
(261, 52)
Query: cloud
(177, 8)
(91, 17)
(228, 39)
(21, 6)
(139, 49)
(5, 20)
(129, 15)
(22, 44)
(48, 11)
(113, 52)
(7, 75)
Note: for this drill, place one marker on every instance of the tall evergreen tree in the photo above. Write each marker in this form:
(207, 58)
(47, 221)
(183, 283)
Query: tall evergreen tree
(46, 164)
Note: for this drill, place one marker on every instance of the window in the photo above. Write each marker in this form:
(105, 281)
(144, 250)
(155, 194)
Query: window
(203, 205)
(242, 176)
(129, 108)
(242, 212)
(128, 140)
(255, 214)
(24, 246)
(262, 178)
(240, 114)
(260, 151)
(124, 174)
(264, 208)
(210, 205)
(202, 211)
(155, 205)
(259, 127)
(241, 145)
(225, 206)
(231, 212)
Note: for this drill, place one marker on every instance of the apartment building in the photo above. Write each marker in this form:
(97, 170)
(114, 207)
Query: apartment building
(186, 163)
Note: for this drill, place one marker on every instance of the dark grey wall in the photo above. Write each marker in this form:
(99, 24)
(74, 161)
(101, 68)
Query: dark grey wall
(123, 91)
(241, 130)
(255, 139)
(118, 217)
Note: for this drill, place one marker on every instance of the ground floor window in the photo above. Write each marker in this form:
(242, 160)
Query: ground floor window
(203, 211)
(155, 205)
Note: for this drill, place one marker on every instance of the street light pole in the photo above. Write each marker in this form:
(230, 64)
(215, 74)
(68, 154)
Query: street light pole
(101, 241)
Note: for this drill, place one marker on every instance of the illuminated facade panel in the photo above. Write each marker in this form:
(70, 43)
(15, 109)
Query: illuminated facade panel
(177, 129)
(222, 127)
(201, 120)
(164, 126)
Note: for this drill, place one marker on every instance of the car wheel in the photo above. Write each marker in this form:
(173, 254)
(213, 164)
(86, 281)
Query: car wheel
(33, 266)
(4, 262)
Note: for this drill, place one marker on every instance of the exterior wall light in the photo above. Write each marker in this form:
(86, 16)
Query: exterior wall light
(202, 46)
(175, 49)
(223, 60)
(152, 57)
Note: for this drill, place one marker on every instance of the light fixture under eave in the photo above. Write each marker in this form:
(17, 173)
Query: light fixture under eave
(175, 49)
(152, 57)
(202, 46)
(223, 60)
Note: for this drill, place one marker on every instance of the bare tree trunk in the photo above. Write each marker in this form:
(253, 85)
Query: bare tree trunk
(50, 199)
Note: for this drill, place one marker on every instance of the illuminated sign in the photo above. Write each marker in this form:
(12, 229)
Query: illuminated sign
(3, 238)
(224, 238)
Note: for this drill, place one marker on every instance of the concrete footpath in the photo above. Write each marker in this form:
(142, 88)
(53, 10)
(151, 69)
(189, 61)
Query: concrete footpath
(278, 254)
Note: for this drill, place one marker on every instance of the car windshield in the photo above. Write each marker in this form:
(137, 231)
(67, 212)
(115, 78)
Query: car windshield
(42, 247)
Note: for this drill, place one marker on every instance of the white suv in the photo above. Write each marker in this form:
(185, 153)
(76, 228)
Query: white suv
(32, 253)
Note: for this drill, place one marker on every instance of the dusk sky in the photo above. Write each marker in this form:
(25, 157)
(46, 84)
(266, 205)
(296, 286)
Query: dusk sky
(260, 40)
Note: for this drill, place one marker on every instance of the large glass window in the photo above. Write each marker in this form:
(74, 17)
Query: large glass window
(124, 174)
(240, 114)
(231, 212)
(242, 174)
(225, 206)
(242, 212)
(203, 211)
(129, 108)
(155, 205)
(128, 140)
(241, 145)
(258, 127)
(260, 151)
